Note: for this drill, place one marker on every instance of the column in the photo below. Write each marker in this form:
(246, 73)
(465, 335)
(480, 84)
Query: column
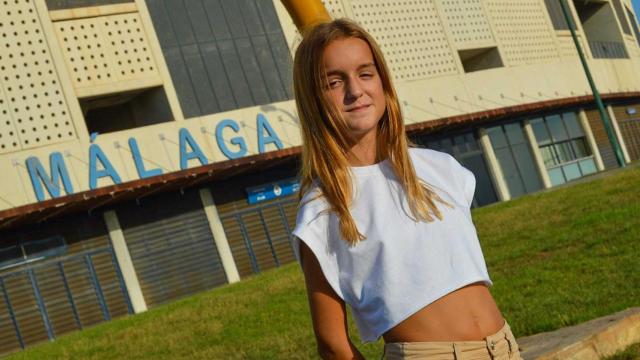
(616, 130)
(494, 166)
(219, 236)
(584, 121)
(124, 261)
(537, 156)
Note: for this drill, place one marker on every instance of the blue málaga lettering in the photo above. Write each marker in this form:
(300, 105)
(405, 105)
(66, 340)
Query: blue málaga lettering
(97, 155)
(196, 153)
(39, 176)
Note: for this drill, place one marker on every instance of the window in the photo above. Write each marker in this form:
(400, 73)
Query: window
(563, 146)
(557, 17)
(621, 17)
(480, 59)
(598, 19)
(24, 252)
(634, 24)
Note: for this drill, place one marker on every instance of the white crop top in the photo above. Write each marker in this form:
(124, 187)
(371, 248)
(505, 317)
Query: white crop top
(402, 265)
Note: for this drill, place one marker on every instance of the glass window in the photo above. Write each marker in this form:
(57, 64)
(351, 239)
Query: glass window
(460, 144)
(548, 156)
(540, 131)
(497, 138)
(44, 247)
(435, 145)
(587, 166)
(514, 133)
(564, 152)
(571, 171)
(10, 254)
(573, 125)
(556, 176)
(471, 141)
(446, 146)
(558, 132)
(18, 253)
(563, 142)
(580, 148)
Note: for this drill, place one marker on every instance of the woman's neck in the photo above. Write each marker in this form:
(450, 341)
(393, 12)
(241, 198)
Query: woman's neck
(364, 151)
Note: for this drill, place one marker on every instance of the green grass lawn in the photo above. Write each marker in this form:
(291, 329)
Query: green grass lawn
(630, 353)
(556, 258)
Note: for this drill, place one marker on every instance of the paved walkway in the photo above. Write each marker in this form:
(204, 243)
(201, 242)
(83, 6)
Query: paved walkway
(591, 340)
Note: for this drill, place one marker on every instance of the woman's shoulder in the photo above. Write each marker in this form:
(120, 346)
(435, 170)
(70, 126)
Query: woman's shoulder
(443, 170)
(311, 205)
(432, 161)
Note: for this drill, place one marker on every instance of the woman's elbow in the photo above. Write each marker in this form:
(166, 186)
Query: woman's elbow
(335, 351)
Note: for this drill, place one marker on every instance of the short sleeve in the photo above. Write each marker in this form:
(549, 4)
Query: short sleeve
(312, 227)
(466, 181)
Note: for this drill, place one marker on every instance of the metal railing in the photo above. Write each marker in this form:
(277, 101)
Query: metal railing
(608, 50)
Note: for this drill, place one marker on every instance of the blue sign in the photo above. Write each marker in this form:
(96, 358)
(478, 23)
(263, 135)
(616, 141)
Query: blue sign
(266, 192)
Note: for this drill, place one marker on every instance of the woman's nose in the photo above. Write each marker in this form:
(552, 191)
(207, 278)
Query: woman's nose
(354, 90)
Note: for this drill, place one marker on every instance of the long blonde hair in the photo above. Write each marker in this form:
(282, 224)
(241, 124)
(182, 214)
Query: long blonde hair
(325, 136)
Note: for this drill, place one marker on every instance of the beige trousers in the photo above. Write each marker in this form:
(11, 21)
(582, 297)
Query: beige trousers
(498, 346)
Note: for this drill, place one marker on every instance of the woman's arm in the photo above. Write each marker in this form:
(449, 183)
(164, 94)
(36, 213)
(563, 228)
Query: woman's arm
(328, 311)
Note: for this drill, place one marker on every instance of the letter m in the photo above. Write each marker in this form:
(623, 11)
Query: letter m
(39, 176)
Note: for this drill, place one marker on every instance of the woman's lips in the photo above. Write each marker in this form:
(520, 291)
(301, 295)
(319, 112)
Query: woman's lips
(358, 108)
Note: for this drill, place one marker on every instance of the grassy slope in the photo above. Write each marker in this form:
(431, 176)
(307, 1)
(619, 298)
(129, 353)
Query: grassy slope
(556, 259)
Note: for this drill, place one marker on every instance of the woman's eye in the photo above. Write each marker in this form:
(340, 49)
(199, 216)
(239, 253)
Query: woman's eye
(334, 83)
(366, 75)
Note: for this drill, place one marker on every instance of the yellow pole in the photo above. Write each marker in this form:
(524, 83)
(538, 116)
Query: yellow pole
(306, 13)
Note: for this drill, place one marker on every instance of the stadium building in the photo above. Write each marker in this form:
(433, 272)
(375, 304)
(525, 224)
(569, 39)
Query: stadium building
(148, 149)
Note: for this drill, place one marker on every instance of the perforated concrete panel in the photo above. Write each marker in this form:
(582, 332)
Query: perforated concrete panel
(33, 110)
(411, 36)
(334, 8)
(467, 22)
(106, 49)
(524, 31)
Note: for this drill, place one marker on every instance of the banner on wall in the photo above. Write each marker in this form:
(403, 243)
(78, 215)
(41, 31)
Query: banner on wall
(257, 194)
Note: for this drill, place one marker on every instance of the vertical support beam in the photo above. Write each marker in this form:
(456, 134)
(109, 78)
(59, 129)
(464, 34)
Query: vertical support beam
(41, 305)
(494, 166)
(269, 240)
(537, 156)
(12, 314)
(584, 121)
(219, 236)
(93, 276)
(74, 308)
(124, 261)
(616, 130)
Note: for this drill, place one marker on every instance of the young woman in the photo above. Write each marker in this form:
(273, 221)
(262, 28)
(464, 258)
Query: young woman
(382, 227)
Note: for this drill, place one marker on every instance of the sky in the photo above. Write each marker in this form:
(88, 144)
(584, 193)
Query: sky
(636, 6)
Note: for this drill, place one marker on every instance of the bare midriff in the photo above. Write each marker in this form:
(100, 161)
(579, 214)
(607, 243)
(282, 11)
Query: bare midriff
(466, 314)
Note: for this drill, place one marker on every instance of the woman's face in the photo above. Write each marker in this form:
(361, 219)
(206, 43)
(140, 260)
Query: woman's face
(355, 87)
